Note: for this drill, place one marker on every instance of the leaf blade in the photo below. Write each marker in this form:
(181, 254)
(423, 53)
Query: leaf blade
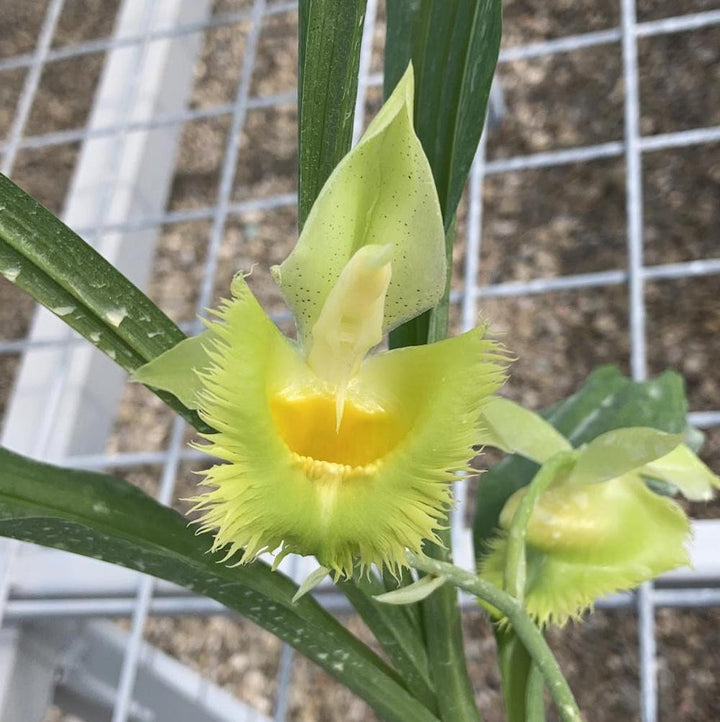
(104, 517)
(48, 260)
(329, 58)
(57, 251)
(454, 47)
(396, 634)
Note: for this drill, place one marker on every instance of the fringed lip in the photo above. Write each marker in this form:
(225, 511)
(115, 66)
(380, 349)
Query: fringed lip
(361, 504)
(588, 541)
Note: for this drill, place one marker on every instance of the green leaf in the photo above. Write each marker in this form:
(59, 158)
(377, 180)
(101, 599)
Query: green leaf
(396, 633)
(106, 518)
(607, 400)
(41, 255)
(659, 403)
(380, 194)
(445, 646)
(453, 46)
(620, 451)
(516, 430)
(330, 38)
(176, 369)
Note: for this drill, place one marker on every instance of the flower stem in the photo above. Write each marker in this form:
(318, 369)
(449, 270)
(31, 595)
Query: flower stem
(532, 704)
(515, 566)
(523, 625)
(441, 610)
(445, 646)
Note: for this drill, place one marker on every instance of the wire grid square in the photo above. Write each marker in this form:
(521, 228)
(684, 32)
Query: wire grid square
(239, 211)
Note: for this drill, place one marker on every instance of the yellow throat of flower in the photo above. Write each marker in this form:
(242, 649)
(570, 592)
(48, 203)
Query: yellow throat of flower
(308, 425)
(350, 324)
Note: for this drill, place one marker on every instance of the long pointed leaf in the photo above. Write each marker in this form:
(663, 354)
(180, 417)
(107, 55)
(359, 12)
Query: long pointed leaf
(454, 47)
(44, 257)
(330, 38)
(106, 518)
(396, 634)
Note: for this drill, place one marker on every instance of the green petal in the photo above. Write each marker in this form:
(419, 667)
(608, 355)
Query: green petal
(311, 581)
(515, 430)
(683, 470)
(285, 487)
(381, 192)
(415, 592)
(175, 370)
(588, 541)
(620, 451)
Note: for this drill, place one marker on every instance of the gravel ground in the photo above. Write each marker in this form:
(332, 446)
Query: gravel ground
(540, 223)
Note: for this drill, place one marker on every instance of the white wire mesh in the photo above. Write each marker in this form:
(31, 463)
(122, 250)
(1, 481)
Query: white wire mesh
(226, 205)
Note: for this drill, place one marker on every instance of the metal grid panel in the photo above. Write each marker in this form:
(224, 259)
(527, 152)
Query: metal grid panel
(634, 274)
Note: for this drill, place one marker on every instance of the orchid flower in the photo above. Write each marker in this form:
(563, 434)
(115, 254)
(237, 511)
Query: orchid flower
(330, 450)
(597, 526)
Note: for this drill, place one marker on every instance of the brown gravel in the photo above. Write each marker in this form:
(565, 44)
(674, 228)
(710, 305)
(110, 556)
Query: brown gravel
(542, 223)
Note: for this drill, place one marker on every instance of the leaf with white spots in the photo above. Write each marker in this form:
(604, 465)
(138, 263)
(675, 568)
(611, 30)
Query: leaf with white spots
(49, 261)
(106, 518)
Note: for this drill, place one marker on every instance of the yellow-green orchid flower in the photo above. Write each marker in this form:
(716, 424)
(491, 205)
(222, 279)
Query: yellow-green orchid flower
(330, 451)
(596, 526)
